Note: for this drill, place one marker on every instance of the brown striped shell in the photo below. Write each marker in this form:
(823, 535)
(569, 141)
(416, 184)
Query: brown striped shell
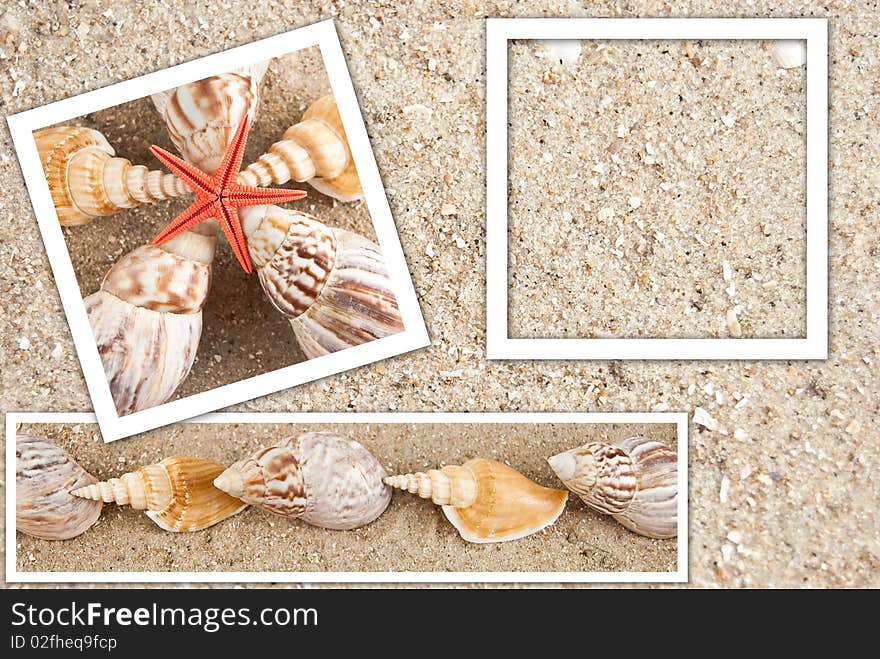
(485, 500)
(45, 475)
(177, 493)
(202, 116)
(332, 284)
(147, 318)
(326, 479)
(635, 481)
(86, 181)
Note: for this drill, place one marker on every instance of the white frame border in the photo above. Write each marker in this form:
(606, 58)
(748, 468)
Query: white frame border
(499, 31)
(113, 426)
(680, 419)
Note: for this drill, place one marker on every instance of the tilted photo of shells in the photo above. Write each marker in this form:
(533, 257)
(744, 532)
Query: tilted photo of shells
(184, 317)
(363, 497)
(643, 212)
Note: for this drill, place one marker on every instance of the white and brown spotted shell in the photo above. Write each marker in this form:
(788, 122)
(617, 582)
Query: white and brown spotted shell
(177, 493)
(332, 284)
(314, 150)
(326, 479)
(202, 116)
(147, 318)
(86, 180)
(45, 475)
(635, 481)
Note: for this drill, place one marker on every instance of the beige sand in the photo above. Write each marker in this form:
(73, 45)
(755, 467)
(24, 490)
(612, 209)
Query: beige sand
(785, 482)
(412, 535)
(243, 334)
(639, 184)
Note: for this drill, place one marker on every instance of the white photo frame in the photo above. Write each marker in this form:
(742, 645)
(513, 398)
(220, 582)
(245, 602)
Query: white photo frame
(680, 419)
(114, 426)
(499, 345)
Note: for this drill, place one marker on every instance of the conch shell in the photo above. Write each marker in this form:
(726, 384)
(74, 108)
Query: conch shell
(635, 481)
(314, 150)
(326, 479)
(330, 283)
(86, 181)
(176, 493)
(202, 116)
(44, 476)
(485, 500)
(147, 318)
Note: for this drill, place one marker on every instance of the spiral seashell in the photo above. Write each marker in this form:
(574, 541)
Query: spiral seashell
(485, 500)
(44, 477)
(635, 481)
(202, 116)
(331, 283)
(326, 479)
(147, 318)
(314, 150)
(177, 493)
(86, 181)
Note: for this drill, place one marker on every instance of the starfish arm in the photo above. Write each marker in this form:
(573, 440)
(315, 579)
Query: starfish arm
(227, 172)
(201, 209)
(231, 225)
(245, 195)
(196, 179)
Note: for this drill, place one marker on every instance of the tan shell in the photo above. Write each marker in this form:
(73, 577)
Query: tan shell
(485, 500)
(147, 318)
(177, 493)
(331, 284)
(635, 481)
(202, 116)
(86, 181)
(44, 476)
(314, 150)
(326, 479)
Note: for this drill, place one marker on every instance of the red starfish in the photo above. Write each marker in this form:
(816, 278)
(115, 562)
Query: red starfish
(220, 195)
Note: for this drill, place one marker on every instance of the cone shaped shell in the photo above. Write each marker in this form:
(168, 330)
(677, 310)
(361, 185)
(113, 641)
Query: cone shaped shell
(44, 477)
(177, 494)
(635, 481)
(326, 479)
(495, 503)
(86, 181)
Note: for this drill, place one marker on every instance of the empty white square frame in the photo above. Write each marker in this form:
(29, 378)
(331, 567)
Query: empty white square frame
(113, 426)
(499, 345)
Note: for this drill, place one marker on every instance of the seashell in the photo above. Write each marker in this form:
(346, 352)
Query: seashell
(485, 500)
(326, 479)
(86, 180)
(635, 481)
(147, 317)
(177, 493)
(202, 116)
(789, 53)
(314, 150)
(331, 283)
(44, 476)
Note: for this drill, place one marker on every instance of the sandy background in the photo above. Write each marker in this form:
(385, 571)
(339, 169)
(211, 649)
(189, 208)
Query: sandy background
(785, 476)
(243, 334)
(412, 534)
(637, 171)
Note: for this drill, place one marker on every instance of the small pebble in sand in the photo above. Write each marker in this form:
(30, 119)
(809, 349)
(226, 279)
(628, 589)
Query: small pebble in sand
(24, 343)
(733, 326)
(634, 202)
(703, 418)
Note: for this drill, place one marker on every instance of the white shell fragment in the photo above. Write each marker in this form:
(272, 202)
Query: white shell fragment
(564, 51)
(789, 53)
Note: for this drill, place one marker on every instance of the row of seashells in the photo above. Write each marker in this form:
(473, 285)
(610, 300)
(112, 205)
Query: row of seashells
(332, 481)
(331, 284)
